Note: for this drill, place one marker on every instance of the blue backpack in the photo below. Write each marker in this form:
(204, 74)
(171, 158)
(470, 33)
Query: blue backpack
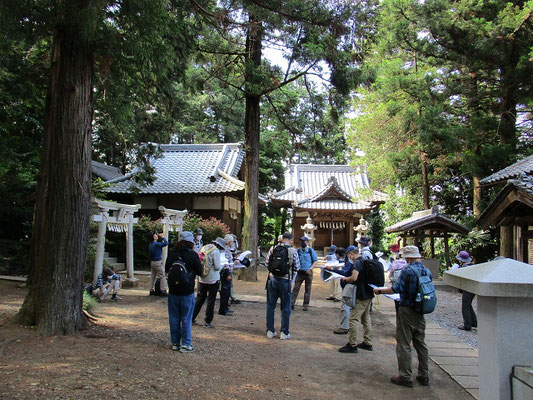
(426, 297)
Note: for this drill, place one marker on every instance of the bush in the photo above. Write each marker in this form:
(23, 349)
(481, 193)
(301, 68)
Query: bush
(89, 302)
(212, 227)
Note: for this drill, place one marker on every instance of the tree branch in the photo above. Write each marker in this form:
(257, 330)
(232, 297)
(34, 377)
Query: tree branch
(287, 81)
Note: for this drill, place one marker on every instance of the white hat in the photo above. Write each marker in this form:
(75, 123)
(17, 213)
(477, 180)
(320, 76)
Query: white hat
(410, 252)
(186, 236)
(229, 238)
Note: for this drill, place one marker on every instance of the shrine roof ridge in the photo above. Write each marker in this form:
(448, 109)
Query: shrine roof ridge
(525, 165)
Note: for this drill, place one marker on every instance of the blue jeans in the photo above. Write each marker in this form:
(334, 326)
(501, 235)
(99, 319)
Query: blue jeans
(278, 288)
(180, 309)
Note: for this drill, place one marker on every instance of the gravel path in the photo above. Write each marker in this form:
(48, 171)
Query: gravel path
(448, 315)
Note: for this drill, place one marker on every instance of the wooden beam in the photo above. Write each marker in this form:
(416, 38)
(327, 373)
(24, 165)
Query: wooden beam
(506, 241)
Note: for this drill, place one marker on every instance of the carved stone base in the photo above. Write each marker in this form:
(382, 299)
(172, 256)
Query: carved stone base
(130, 282)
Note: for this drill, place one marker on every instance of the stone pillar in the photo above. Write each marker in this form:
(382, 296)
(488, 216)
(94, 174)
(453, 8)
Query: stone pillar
(164, 251)
(130, 281)
(505, 320)
(100, 244)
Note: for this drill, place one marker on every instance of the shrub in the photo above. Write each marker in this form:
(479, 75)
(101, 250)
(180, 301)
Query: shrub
(89, 302)
(212, 227)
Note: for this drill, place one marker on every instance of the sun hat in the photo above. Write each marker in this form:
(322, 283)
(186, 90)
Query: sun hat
(410, 252)
(304, 239)
(287, 235)
(364, 240)
(395, 248)
(352, 248)
(198, 231)
(219, 242)
(463, 256)
(186, 236)
(229, 238)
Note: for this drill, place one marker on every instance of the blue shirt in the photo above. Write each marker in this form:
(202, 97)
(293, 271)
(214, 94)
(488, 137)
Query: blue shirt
(407, 284)
(154, 250)
(307, 258)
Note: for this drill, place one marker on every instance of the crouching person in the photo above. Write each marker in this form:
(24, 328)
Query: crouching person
(183, 265)
(107, 282)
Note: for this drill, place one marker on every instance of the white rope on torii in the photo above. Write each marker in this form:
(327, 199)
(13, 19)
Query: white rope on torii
(115, 217)
(172, 222)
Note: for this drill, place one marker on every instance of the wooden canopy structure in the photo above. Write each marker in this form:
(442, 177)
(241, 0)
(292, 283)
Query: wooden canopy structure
(428, 224)
(512, 211)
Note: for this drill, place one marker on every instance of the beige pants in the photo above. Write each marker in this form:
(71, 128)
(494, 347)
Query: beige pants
(158, 272)
(335, 289)
(360, 314)
(102, 292)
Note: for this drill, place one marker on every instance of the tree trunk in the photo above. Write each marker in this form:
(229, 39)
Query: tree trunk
(477, 197)
(251, 144)
(61, 221)
(425, 180)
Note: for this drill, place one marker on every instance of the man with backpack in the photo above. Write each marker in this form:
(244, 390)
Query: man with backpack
(282, 262)
(360, 313)
(308, 259)
(208, 283)
(158, 271)
(410, 321)
(183, 265)
(364, 248)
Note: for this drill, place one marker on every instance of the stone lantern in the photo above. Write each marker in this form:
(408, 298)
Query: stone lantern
(361, 229)
(309, 230)
(505, 321)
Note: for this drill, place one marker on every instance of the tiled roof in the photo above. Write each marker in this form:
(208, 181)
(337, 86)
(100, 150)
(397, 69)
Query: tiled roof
(106, 172)
(524, 183)
(525, 165)
(326, 187)
(430, 219)
(193, 168)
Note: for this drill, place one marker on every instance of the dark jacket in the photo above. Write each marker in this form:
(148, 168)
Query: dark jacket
(194, 266)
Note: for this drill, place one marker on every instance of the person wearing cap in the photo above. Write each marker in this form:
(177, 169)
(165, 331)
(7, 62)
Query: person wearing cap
(364, 248)
(341, 254)
(198, 243)
(233, 249)
(397, 264)
(360, 313)
(469, 315)
(334, 284)
(158, 271)
(308, 259)
(181, 297)
(226, 276)
(410, 324)
(208, 285)
(280, 287)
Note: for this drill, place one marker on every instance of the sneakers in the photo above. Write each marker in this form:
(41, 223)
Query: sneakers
(331, 298)
(304, 308)
(164, 294)
(424, 381)
(115, 298)
(365, 346)
(186, 349)
(175, 347)
(271, 334)
(336, 300)
(398, 380)
(228, 313)
(152, 292)
(235, 301)
(208, 325)
(348, 348)
(285, 336)
(340, 331)
(464, 328)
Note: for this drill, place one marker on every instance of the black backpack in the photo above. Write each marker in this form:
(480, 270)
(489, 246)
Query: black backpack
(179, 276)
(278, 264)
(375, 274)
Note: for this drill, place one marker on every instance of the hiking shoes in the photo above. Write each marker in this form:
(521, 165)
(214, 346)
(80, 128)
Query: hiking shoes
(115, 298)
(464, 328)
(235, 301)
(348, 348)
(365, 346)
(285, 336)
(398, 380)
(164, 294)
(340, 331)
(208, 325)
(228, 313)
(186, 349)
(305, 308)
(424, 381)
(175, 347)
(152, 292)
(271, 334)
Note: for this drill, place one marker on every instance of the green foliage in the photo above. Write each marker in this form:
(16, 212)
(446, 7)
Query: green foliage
(89, 303)
(211, 227)
(376, 229)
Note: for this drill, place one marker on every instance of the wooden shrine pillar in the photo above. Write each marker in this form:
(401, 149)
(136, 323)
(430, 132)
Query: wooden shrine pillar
(506, 241)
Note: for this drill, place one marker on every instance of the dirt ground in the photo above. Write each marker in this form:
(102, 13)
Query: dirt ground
(126, 355)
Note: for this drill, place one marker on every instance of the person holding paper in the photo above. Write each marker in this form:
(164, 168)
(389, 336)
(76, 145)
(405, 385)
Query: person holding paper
(410, 325)
(334, 284)
(361, 311)
(226, 276)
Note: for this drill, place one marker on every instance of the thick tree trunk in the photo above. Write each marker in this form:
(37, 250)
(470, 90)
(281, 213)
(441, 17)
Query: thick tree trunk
(477, 197)
(61, 221)
(251, 144)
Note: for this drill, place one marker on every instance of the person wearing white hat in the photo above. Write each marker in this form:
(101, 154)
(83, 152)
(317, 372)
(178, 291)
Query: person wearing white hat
(410, 324)
(226, 277)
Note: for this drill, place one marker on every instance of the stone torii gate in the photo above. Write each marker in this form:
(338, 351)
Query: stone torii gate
(115, 217)
(172, 222)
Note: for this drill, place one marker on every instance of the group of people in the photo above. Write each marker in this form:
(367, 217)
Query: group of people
(289, 268)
